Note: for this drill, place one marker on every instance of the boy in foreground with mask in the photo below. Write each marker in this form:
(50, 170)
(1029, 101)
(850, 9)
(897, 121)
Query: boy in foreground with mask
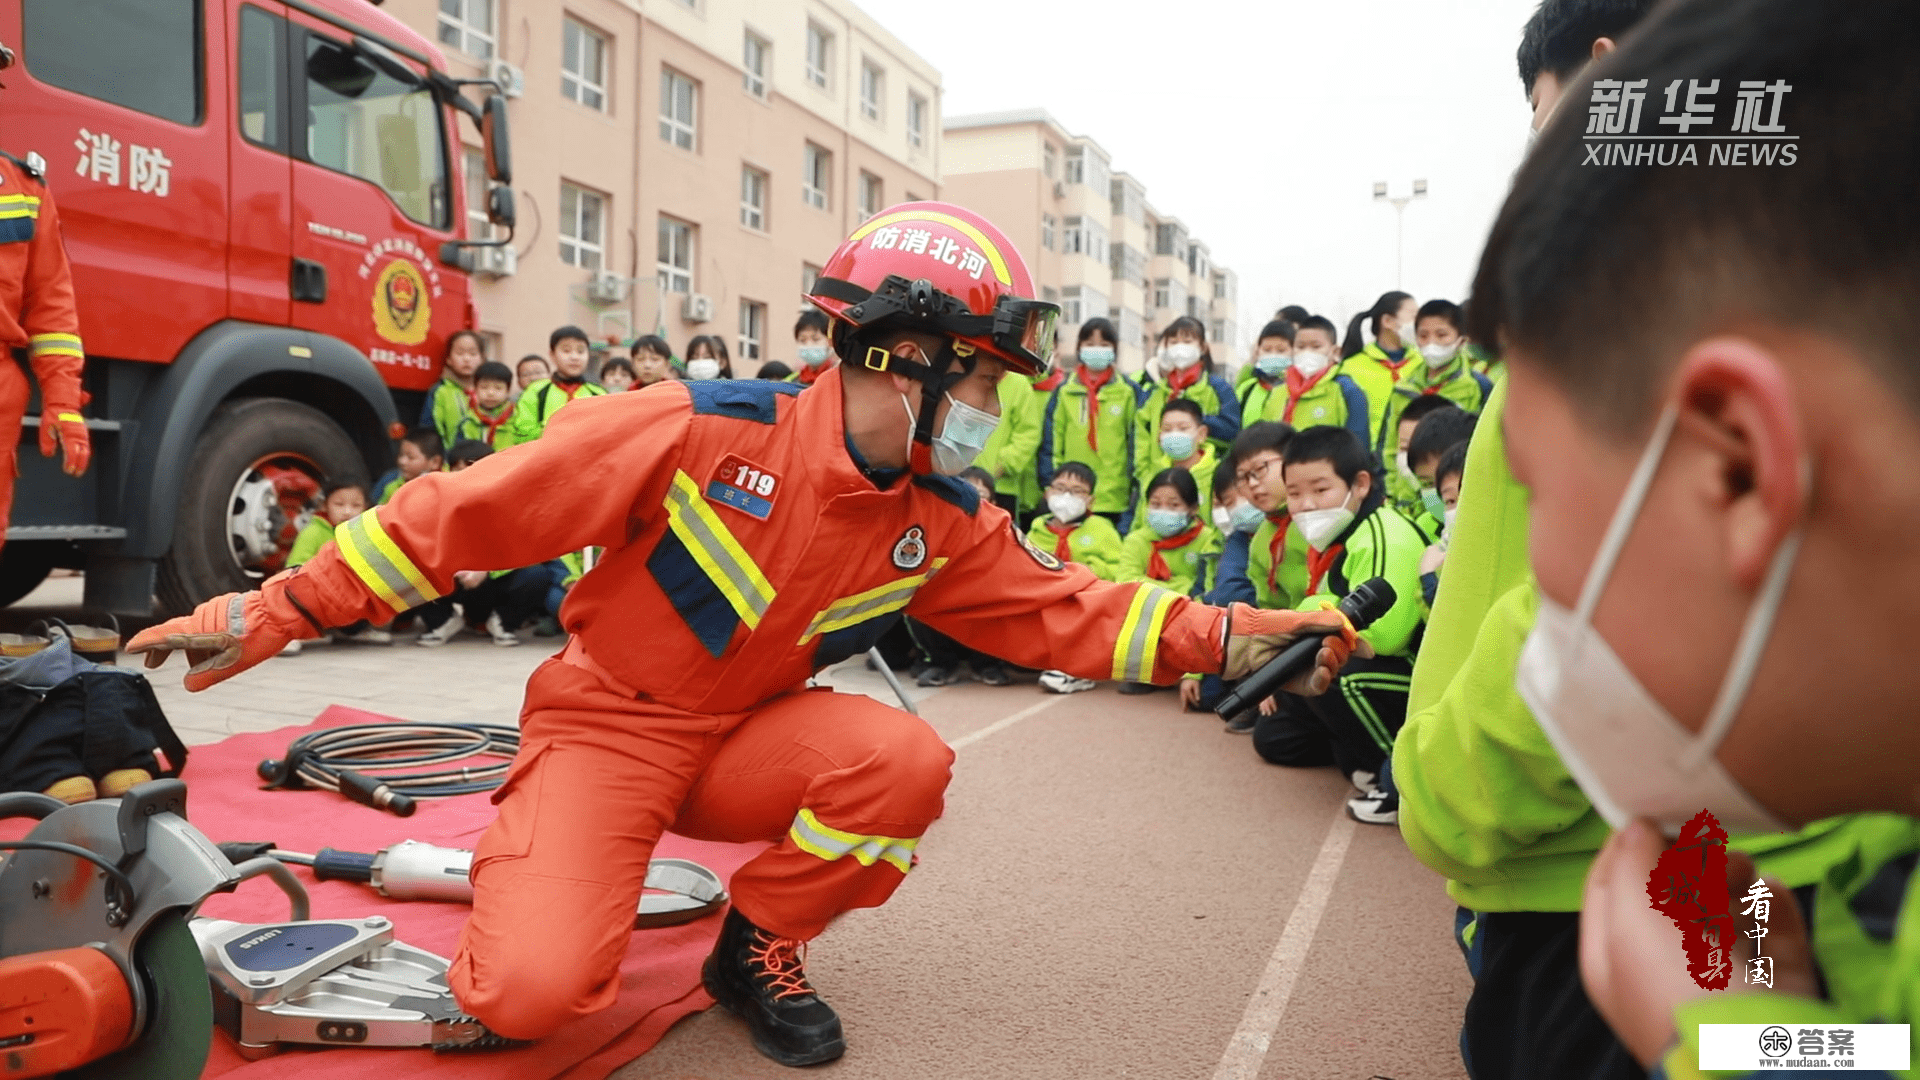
(1741, 448)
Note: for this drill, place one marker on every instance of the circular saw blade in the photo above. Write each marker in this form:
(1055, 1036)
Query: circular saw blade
(179, 1029)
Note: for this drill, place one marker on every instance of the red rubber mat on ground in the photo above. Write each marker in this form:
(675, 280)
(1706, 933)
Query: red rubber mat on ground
(660, 978)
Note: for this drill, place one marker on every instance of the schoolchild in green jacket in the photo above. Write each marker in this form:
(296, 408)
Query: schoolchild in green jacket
(490, 411)
(340, 503)
(1071, 530)
(1317, 393)
(1266, 374)
(1403, 484)
(420, 453)
(451, 399)
(1442, 372)
(1183, 369)
(1352, 537)
(1276, 554)
(1010, 451)
(569, 348)
(1089, 418)
(1379, 365)
(1183, 440)
(1172, 545)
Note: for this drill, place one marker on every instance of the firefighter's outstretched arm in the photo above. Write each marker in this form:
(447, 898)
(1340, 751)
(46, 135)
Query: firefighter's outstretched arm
(1009, 600)
(584, 483)
(53, 333)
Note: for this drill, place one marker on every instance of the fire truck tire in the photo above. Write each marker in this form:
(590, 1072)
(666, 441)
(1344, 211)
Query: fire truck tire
(23, 566)
(239, 436)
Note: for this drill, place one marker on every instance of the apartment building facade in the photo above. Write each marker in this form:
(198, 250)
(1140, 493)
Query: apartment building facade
(684, 165)
(1094, 242)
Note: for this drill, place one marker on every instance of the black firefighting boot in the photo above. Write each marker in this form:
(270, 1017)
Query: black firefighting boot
(762, 978)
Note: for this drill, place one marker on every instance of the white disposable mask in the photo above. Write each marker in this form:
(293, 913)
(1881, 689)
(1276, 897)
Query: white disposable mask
(1223, 519)
(812, 355)
(1183, 354)
(1628, 754)
(1319, 527)
(703, 368)
(1273, 365)
(1066, 508)
(1406, 469)
(1437, 355)
(1310, 362)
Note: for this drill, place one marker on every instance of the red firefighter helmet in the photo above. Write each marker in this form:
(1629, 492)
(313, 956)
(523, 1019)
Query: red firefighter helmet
(942, 268)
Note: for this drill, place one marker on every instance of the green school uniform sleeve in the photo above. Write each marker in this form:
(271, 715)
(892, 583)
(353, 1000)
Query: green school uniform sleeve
(527, 423)
(1290, 575)
(1096, 543)
(310, 541)
(452, 411)
(1383, 545)
(1010, 451)
(1135, 550)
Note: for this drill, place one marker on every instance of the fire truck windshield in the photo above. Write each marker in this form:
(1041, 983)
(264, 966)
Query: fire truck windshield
(366, 123)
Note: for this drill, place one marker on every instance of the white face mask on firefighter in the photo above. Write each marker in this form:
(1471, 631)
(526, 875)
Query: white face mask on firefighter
(1628, 753)
(962, 436)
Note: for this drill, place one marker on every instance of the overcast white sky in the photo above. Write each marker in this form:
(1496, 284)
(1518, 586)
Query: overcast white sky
(1263, 124)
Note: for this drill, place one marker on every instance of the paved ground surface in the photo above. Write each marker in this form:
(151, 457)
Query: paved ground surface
(1116, 890)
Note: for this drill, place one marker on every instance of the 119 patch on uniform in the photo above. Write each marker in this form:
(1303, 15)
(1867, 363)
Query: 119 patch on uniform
(744, 486)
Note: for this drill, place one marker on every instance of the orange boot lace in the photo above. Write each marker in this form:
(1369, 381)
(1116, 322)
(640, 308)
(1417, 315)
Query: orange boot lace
(781, 962)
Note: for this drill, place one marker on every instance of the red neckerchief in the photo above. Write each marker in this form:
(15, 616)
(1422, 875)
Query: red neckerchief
(1298, 385)
(1318, 564)
(1093, 384)
(1060, 549)
(571, 392)
(1393, 369)
(1276, 547)
(1052, 382)
(809, 374)
(1157, 567)
(1177, 384)
(492, 424)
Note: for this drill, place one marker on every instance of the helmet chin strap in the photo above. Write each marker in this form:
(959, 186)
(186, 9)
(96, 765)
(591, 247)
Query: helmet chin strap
(935, 379)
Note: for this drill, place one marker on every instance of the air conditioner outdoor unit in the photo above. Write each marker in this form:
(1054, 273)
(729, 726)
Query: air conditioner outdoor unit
(498, 262)
(606, 288)
(511, 81)
(697, 307)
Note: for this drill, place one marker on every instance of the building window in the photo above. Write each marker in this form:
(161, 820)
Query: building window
(583, 223)
(473, 167)
(1219, 286)
(819, 55)
(1050, 160)
(1048, 223)
(583, 65)
(1085, 167)
(1219, 330)
(1086, 236)
(873, 83)
(916, 121)
(753, 329)
(676, 255)
(1128, 264)
(809, 274)
(753, 198)
(816, 171)
(1166, 241)
(870, 197)
(1162, 287)
(467, 25)
(753, 64)
(1079, 303)
(679, 98)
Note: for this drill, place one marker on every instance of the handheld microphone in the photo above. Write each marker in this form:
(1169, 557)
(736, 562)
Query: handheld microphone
(1361, 607)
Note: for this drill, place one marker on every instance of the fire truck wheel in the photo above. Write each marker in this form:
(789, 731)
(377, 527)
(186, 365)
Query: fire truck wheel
(253, 483)
(24, 564)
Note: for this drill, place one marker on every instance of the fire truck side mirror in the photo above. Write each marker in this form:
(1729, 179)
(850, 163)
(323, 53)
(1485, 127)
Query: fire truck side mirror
(500, 206)
(493, 131)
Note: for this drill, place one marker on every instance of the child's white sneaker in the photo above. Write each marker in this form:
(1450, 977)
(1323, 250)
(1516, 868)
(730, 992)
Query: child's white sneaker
(499, 633)
(292, 648)
(444, 632)
(1060, 682)
(372, 635)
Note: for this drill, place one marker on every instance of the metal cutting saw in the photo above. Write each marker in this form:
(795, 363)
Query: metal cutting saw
(105, 972)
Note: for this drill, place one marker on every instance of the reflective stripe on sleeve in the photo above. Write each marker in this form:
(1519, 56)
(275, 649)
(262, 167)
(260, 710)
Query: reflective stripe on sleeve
(831, 844)
(382, 565)
(55, 344)
(858, 608)
(725, 562)
(19, 206)
(1135, 653)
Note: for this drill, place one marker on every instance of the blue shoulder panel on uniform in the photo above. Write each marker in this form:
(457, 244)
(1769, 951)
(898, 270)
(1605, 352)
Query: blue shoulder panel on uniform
(851, 641)
(1486, 387)
(952, 489)
(742, 399)
(692, 593)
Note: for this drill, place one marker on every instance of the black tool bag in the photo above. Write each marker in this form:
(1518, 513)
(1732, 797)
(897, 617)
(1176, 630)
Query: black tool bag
(61, 716)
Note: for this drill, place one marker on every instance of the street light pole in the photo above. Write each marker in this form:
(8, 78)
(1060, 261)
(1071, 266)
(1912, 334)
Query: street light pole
(1399, 222)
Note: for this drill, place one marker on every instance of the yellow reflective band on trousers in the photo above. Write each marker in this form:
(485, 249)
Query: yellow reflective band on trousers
(382, 565)
(720, 556)
(830, 844)
(54, 344)
(858, 608)
(1139, 645)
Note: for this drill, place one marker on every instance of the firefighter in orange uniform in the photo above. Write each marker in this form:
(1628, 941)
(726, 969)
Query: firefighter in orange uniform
(754, 535)
(36, 314)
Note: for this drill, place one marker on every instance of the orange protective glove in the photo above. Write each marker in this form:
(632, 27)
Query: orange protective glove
(229, 634)
(63, 428)
(1257, 635)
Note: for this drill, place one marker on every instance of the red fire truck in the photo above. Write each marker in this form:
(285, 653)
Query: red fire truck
(263, 206)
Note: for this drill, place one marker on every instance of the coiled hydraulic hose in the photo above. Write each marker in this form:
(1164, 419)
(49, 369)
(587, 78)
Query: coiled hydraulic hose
(388, 766)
